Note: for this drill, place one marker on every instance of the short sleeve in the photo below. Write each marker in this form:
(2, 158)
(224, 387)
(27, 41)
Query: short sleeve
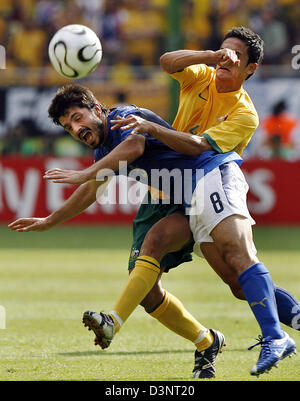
(232, 133)
(199, 72)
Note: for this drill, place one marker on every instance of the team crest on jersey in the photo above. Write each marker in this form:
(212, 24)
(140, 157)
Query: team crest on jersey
(134, 253)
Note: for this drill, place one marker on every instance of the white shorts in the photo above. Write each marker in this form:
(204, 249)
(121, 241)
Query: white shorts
(220, 193)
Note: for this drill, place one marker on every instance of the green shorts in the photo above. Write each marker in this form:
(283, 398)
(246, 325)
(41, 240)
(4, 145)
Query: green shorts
(148, 215)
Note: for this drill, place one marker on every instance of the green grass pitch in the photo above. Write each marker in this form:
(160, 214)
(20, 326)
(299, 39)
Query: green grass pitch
(47, 280)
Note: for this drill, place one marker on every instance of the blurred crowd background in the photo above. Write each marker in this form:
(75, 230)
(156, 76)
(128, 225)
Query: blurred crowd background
(134, 33)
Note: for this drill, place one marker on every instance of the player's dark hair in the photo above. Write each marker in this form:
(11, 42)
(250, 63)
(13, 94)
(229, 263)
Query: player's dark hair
(72, 95)
(252, 40)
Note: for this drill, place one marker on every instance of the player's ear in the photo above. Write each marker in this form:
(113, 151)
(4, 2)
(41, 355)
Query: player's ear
(251, 67)
(98, 110)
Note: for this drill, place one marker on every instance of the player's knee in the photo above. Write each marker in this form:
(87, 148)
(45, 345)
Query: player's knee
(168, 235)
(236, 258)
(155, 244)
(230, 256)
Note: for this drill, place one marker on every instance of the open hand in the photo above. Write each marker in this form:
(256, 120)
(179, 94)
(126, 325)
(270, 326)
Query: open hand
(66, 176)
(30, 224)
(137, 124)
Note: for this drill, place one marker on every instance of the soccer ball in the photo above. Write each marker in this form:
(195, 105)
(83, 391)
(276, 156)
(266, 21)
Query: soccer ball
(75, 51)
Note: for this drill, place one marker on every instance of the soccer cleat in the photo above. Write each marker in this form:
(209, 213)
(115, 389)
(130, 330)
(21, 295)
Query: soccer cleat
(205, 360)
(272, 351)
(102, 325)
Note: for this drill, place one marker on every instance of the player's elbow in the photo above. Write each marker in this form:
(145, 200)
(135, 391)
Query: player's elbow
(162, 60)
(166, 62)
(192, 151)
(200, 145)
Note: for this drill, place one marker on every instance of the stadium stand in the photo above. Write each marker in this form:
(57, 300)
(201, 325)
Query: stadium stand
(133, 34)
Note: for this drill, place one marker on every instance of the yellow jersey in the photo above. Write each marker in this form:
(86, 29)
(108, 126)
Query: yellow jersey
(227, 120)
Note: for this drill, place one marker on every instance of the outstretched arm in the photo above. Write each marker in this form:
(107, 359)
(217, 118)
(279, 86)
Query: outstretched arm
(180, 142)
(128, 151)
(175, 61)
(80, 200)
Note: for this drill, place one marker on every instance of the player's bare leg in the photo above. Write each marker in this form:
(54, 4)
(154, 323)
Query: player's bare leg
(214, 259)
(287, 305)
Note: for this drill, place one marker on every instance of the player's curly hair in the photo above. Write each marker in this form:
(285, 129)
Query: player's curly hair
(252, 40)
(71, 95)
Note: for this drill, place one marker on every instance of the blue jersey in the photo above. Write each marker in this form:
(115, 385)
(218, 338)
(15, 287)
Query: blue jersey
(158, 158)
